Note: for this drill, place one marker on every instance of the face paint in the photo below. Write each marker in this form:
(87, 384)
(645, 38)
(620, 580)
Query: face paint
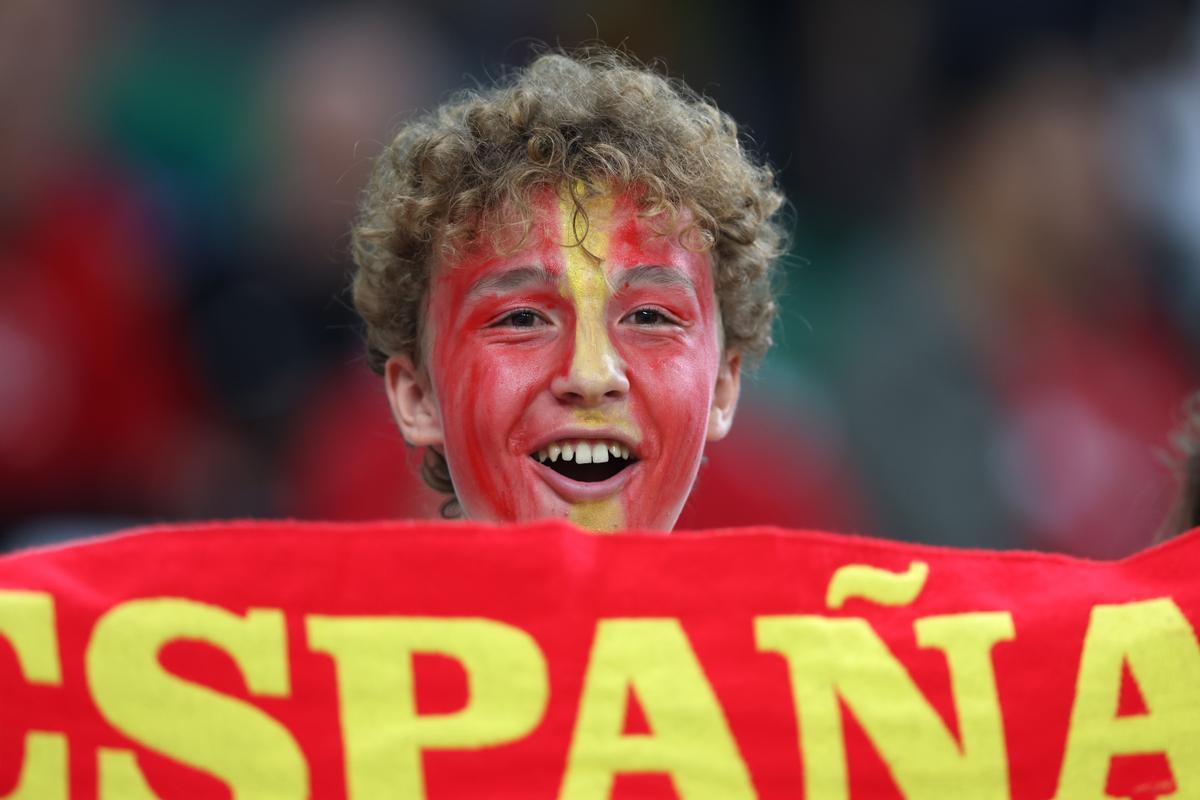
(594, 360)
(600, 329)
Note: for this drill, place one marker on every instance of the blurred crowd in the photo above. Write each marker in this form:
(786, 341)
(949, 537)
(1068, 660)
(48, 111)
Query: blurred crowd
(989, 320)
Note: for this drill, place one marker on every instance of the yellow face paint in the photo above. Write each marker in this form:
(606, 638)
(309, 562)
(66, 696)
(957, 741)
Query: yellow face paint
(585, 247)
(598, 516)
(591, 418)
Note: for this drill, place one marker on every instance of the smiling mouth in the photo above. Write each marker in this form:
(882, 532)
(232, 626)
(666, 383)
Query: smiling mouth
(586, 461)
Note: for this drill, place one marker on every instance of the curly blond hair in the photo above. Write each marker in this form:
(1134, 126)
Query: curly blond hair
(593, 118)
(1185, 514)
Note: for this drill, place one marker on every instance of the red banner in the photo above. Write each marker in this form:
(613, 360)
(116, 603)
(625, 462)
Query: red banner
(288, 660)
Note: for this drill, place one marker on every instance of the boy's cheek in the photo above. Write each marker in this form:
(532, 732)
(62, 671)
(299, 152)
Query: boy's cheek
(673, 399)
(478, 413)
(486, 392)
(684, 367)
(505, 376)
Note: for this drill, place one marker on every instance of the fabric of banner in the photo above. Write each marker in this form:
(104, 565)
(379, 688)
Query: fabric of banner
(420, 660)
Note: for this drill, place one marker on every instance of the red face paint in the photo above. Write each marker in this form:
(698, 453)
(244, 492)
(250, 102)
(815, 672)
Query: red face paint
(613, 340)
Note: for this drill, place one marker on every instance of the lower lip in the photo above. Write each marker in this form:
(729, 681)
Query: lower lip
(579, 492)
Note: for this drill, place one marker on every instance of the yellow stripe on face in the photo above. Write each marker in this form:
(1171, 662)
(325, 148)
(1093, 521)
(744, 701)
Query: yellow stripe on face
(599, 516)
(585, 247)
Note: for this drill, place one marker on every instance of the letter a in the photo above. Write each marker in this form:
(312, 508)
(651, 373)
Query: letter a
(1156, 641)
(689, 740)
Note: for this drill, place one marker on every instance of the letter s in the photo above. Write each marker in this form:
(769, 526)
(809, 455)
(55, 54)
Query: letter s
(237, 743)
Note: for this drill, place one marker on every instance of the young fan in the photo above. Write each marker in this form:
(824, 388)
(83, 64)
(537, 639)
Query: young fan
(562, 278)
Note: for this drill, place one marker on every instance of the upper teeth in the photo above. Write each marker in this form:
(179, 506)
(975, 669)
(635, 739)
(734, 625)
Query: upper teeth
(583, 452)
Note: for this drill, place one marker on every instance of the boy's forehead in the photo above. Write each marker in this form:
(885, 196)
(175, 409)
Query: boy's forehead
(609, 228)
(504, 279)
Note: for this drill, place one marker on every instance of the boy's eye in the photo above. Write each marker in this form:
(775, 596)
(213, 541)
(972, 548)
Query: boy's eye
(648, 316)
(522, 318)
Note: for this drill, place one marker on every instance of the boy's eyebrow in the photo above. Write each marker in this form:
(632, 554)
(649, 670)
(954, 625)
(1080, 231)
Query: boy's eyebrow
(655, 275)
(511, 279)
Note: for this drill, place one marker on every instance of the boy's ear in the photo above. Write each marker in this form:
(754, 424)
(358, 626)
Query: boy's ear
(413, 404)
(729, 385)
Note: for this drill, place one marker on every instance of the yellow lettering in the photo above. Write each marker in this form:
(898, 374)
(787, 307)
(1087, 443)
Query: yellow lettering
(1156, 641)
(27, 622)
(120, 777)
(876, 585)
(690, 738)
(237, 743)
(384, 736)
(832, 658)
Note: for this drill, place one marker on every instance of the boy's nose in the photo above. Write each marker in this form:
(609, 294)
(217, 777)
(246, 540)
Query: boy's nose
(595, 373)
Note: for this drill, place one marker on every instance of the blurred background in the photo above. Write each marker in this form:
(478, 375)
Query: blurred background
(990, 312)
